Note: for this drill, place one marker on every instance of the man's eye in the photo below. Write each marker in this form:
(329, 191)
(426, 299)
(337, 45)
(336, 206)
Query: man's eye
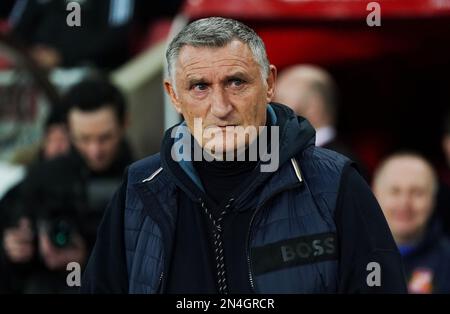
(199, 87)
(236, 82)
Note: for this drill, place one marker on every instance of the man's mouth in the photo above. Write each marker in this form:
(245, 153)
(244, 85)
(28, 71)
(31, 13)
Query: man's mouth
(222, 127)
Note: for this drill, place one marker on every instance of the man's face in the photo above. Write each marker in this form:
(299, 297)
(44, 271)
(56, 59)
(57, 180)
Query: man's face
(96, 135)
(222, 86)
(405, 192)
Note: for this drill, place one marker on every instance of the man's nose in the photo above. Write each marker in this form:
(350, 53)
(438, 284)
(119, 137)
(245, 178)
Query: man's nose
(94, 149)
(220, 105)
(404, 202)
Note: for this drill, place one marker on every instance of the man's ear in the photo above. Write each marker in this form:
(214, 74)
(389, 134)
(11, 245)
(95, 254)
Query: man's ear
(173, 96)
(271, 78)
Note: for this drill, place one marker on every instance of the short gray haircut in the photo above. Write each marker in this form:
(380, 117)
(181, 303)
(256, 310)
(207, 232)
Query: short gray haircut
(217, 32)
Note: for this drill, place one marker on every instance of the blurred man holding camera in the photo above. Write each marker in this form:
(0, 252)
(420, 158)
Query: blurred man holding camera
(63, 199)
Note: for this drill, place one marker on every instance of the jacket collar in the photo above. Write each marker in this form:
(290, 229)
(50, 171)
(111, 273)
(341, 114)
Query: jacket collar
(295, 135)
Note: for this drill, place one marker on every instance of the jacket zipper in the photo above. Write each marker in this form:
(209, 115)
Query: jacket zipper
(160, 282)
(218, 245)
(250, 275)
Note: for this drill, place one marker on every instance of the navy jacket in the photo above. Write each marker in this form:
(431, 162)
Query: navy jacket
(308, 233)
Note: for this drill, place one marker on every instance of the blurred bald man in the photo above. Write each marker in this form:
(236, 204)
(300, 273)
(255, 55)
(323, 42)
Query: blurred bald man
(405, 185)
(311, 93)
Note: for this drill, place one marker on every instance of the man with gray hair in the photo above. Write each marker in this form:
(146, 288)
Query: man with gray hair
(192, 220)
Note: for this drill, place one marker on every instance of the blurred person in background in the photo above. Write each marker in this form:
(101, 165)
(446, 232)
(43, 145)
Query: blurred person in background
(56, 140)
(102, 40)
(16, 230)
(55, 143)
(405, 185)
(64, 198)
(311, 92)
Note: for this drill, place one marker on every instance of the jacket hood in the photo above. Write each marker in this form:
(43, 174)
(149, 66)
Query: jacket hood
(296, 133)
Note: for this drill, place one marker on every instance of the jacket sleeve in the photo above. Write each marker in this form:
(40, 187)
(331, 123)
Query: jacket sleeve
(106, 270)
(369, 261)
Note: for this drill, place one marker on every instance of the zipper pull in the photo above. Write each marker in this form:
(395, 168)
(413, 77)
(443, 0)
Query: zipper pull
(160, 284)
(227, 207)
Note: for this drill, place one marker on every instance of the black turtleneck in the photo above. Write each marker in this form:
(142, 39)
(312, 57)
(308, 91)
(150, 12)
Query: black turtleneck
(221, 178)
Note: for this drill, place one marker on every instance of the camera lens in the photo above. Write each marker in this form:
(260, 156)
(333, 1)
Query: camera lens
(60, 233)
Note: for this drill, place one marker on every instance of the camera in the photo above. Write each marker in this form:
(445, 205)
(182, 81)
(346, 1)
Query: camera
(59, 229)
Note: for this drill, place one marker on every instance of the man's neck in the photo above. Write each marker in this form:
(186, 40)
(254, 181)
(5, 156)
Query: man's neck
(412, 240)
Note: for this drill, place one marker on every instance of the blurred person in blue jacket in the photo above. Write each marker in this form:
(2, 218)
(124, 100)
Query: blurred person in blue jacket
(405, 185)
(16, 232)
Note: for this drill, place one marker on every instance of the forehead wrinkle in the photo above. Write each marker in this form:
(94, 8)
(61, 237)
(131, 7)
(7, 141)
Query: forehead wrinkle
(194, 74)
(241, 58)
(234, 63)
